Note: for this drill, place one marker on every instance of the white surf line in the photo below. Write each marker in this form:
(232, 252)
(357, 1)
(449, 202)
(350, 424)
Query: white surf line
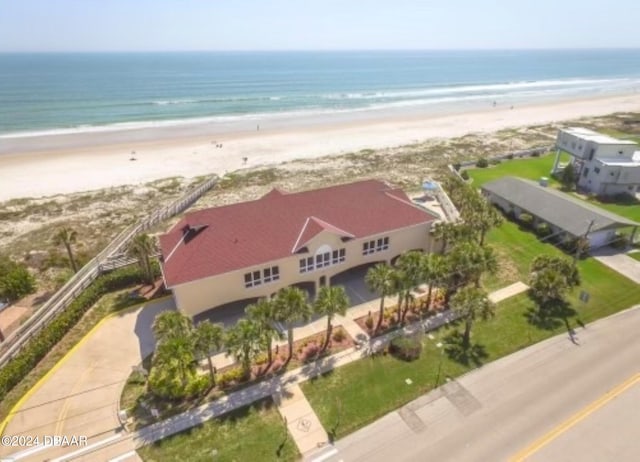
(123, 457)
(103, 442)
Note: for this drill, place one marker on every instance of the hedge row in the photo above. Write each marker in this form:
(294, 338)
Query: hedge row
(47, 338)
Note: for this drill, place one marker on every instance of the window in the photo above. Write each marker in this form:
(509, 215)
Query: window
(322, 260)
(592, 153)
(338, 256)
(252, 279)
(378, 245)
(271, 274)
(255, 278)
(585, 172)
(596, 170)
(306, 264)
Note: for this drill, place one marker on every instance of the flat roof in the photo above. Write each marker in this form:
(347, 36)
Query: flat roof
(613, 162)
(555, 207)
(591, 135)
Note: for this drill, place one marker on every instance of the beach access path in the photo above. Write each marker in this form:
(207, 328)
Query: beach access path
(81, 395)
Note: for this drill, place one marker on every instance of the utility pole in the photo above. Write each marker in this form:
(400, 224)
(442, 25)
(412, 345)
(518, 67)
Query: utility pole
(578, 243)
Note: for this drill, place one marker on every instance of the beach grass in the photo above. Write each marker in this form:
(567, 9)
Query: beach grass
(255, 432)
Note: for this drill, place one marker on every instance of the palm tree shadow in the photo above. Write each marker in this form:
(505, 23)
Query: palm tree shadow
(550, 315)
(455, 349)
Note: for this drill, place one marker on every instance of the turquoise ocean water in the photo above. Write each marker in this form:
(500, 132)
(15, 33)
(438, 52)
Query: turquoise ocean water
(62, 93)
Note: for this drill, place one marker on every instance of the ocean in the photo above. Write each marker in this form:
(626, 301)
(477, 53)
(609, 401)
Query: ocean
(82, 92)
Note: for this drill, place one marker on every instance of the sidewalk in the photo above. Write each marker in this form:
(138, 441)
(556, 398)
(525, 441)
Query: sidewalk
(301, 420)
(267, 388)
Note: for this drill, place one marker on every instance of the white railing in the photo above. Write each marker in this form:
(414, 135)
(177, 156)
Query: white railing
(102, 262)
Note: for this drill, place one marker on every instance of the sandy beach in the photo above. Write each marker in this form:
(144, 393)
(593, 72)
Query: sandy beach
(60, 164)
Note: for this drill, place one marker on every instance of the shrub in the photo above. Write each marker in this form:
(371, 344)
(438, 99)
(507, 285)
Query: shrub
(339, 335)
(261, 359)
(535, 154)
(310, 352)
(482, 163)
(227, 378)
(526, 219)
(543, 230)
(369, 322)
(494, 161)
(15, 280)
(620, 241)
(42, 342)
(509, 156)
(407, 348)
(465, 175)
(457, 166)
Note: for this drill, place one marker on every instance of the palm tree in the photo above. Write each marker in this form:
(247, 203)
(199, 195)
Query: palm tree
(470, 303)
(331, 301)
(263, 313)
(380, 279)
(468, 261)
(243, 342)
(290, 306)
(442, 231)
(176, 354)
(67, 236)
(433, 270)
(171, 324)
(551, 278)
(142, 247)
(484, 218)
(208, 339)
(411, 271)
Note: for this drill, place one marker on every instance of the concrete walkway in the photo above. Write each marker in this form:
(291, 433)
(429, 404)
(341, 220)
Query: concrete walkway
(619, 262)
(301, 420)
(507, 292)
(116, 342)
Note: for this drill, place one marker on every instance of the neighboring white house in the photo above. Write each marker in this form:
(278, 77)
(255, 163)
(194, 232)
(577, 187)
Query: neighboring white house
(604, 165)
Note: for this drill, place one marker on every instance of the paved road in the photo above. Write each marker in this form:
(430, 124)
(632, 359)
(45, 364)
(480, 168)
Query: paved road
(81, 397)
(496, 412)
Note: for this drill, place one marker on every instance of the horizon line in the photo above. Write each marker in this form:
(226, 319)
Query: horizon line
(320, 50)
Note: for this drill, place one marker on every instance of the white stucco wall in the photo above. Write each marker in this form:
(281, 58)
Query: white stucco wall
(199, 296)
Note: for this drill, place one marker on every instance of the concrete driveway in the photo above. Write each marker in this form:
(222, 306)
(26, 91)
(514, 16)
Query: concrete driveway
(619, 262)
(81, 396)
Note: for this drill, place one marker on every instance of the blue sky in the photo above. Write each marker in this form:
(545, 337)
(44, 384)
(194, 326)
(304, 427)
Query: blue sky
(155, 25)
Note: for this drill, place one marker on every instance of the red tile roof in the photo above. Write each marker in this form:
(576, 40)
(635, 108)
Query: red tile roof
(248, 234)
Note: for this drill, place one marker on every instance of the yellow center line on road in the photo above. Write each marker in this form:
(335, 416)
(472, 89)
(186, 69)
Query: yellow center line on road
(65, 408)
(573, 420)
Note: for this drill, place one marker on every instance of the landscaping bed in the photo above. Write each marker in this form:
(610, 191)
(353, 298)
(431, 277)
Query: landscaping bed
(145, 409)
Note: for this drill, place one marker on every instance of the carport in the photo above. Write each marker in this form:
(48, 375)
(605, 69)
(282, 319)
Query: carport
(227, 314)
(353, 282)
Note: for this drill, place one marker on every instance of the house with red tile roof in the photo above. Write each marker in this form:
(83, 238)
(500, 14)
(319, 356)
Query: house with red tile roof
(252, 249)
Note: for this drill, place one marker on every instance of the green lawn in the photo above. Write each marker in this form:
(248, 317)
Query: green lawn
(635, 255)
(533, 168)
(355, 395)
(255, 432)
